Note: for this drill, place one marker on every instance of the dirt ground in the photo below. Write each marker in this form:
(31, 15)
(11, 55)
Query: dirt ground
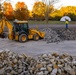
(35, 48)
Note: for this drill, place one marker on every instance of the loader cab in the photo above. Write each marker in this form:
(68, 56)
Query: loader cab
(21, 26)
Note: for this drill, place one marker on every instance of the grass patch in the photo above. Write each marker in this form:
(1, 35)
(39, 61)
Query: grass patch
(50, 22)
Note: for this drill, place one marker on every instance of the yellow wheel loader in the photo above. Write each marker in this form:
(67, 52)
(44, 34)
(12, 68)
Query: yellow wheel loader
(19, 31)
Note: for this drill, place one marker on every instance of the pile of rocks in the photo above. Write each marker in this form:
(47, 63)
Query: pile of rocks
(67, 34)
(55, 64)
(57, 35)
(14, 64)
(46, 64)
(50, 35)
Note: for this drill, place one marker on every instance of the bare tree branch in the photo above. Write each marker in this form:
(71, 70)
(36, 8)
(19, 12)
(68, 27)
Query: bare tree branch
(47, 8)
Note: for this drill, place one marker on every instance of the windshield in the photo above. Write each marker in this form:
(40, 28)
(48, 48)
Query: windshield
(21, 26)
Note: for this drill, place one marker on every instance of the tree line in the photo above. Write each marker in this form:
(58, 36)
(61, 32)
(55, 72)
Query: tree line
(39, 11)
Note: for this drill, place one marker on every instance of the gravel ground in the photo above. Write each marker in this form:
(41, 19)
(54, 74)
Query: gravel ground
(35, 48)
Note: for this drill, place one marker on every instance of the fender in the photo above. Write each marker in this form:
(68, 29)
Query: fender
(33, 31)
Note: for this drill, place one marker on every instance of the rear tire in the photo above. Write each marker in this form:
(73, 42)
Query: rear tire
(36, 37)
(23, 38)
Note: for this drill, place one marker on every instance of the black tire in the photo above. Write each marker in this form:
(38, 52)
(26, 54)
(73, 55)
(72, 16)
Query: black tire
(4, 35)
(23, 38)
(36, 37)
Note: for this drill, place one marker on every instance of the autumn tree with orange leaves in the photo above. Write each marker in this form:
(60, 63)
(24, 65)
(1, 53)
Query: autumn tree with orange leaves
(41, 10)
(0, 11)
(31, 15)
(49, 3)
(8, 10)
(21, 11)
(69, 11)
(64, 11)
(38, 10)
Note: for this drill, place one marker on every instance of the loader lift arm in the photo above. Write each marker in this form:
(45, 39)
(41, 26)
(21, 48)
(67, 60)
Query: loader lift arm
(4, 22)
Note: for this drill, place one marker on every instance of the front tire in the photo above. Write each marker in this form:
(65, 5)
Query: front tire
(36, 37)
(23, 38)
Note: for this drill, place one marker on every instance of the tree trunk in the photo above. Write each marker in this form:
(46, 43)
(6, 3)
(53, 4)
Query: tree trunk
(46, 16)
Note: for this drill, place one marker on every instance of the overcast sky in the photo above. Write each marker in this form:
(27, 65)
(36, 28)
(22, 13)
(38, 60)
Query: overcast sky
(30, 3)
